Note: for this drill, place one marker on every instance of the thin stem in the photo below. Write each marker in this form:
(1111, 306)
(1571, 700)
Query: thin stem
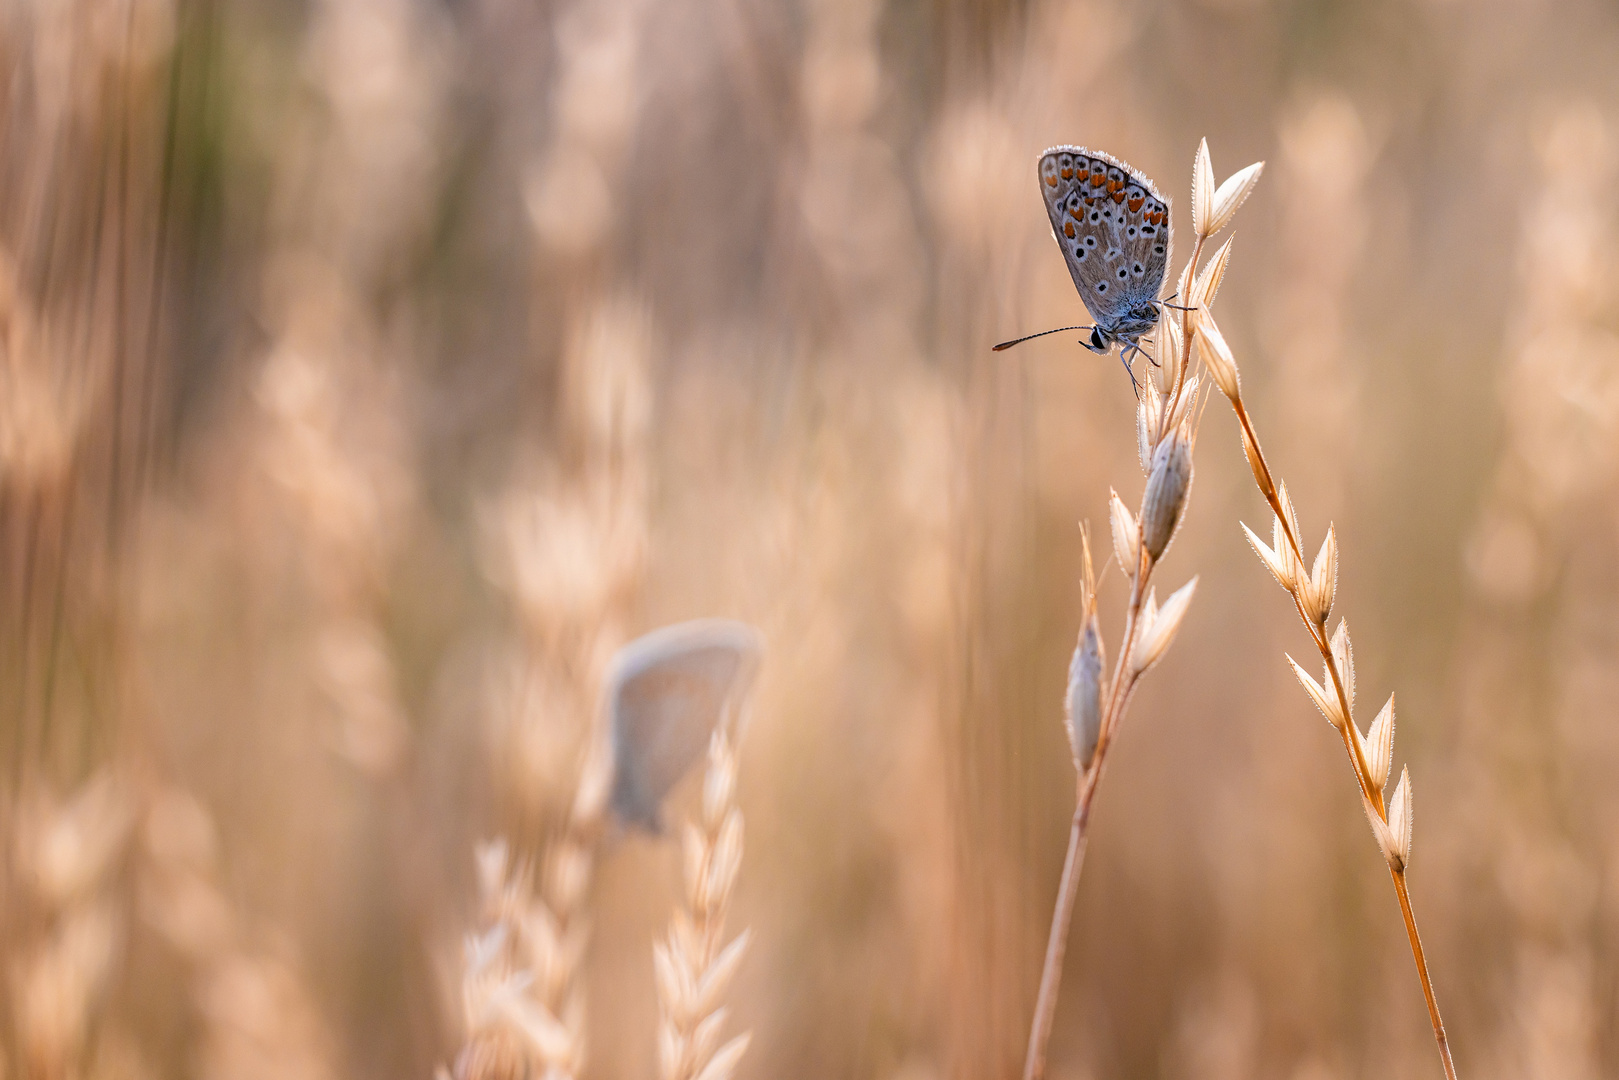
(1119, 688)
(1404, 893)
(1045, 1007)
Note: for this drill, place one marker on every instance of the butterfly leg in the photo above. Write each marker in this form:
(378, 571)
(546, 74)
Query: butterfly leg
(1124, 358)
(1165, 302)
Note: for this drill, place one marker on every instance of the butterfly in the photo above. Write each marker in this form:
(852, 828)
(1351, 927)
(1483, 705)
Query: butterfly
(1113, 229)
(666, 693)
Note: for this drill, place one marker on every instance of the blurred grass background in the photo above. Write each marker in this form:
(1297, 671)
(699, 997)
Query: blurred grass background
(373, 368)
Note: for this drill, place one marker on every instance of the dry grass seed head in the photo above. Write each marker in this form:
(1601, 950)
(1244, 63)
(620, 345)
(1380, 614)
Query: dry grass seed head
(1343, 657)
(1273, 560)
(1379, 745)
(1083, 702)
(1216, 358)
(1126, 535)
(1327, 703)
(1207, 282)
(1400, 818)
(1319, 591)
(1159, 627)
(1213, 208)
(1202, 191)
(1168, 484)
(1232, 194)
(1173, 344)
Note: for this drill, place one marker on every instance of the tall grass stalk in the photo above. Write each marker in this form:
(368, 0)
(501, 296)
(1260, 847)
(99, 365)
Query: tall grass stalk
(1166, 417)
(1313, 592)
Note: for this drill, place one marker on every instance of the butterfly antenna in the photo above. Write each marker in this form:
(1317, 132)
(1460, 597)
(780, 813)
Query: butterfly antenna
(1031, 337)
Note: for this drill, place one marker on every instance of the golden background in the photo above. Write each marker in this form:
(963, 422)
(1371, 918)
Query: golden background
(373, 368)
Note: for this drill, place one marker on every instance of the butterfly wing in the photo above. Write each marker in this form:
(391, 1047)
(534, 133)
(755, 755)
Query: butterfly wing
(667, 691)
(1113, 228)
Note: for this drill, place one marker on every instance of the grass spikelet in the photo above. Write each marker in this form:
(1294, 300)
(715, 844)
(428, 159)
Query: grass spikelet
(66, 853)
(695, 965)
(522, 1002)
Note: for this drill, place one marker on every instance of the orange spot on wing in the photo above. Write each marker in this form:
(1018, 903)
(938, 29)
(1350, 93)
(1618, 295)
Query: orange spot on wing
(1068, 229)
(1051, 180)
(1075, 213)
(1097, 179)
(1135, 204)
(1118, 196)
(1068, 174)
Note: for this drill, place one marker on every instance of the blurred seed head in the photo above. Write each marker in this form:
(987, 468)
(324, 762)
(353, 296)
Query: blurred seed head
(607, 359)
(261, 1020)
(66, 850)
(358, 675)
(564, 553)
(56, 986)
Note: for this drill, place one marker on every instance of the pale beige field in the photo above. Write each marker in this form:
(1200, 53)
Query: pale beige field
(374, 368)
